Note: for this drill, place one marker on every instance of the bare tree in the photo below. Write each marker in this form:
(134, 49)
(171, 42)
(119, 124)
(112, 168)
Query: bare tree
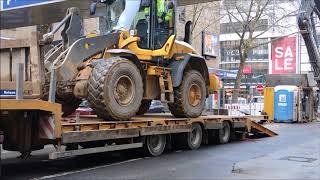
(204, 16)
(197, 11)
(254, 19)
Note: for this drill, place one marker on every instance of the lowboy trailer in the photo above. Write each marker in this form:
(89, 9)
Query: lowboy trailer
(42, 124)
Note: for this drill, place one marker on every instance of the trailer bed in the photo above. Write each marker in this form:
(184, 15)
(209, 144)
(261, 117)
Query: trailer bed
(84, 134)
(91, 128)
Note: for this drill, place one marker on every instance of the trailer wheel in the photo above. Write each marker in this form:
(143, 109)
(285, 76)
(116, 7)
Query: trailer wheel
(190, 96)
(115, 88)
(155, 144)
(224, 133)
(144, 107)
(194, 138)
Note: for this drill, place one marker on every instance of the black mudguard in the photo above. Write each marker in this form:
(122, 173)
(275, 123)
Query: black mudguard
(195, 61)
(128, 54)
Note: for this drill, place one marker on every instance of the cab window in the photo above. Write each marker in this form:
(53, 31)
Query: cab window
(141, 24)
(164, 22)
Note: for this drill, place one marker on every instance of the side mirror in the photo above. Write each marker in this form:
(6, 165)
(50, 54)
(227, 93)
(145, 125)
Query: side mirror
(93, 8)
(187, 32)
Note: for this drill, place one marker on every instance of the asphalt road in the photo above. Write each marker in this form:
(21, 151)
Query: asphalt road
(234, 160)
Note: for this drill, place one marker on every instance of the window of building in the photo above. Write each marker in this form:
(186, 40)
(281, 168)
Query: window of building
(229, 51)
(228, 28)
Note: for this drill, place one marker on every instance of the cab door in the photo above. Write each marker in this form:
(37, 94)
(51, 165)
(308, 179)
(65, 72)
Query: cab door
(163, 23)
(155, 27)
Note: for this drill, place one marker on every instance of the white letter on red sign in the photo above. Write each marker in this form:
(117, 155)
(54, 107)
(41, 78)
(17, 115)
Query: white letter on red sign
(276, 66)
(288, 59)
(288, 52)
(288, 64)
(279, 52)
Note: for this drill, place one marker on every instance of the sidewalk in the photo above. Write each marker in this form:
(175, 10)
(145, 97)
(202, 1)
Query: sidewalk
(300, 162)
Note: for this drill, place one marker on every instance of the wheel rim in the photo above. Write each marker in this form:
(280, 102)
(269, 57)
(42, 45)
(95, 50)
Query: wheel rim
(194, 95)
(225, 132)
(154, 143)
(194, 138)
(124, 90)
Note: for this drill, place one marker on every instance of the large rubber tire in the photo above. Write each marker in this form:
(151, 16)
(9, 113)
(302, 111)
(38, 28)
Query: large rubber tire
(184, 105)
(224, 133)
(194, 138)
(144, 107)
(115, 89)
(155, 144)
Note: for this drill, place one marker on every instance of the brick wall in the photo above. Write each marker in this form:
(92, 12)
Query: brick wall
(208, 15)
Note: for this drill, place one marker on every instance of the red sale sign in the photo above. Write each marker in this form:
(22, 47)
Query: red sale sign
(284, 56)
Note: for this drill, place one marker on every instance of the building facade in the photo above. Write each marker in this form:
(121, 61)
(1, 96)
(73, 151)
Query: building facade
(205, 19)
(279, 20)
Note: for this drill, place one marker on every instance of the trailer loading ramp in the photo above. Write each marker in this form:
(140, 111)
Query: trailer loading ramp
(254, 127)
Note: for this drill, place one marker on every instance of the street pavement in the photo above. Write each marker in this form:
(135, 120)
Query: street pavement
(294, 154)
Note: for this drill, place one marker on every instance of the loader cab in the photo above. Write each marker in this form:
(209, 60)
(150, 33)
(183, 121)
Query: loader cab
(153, 21)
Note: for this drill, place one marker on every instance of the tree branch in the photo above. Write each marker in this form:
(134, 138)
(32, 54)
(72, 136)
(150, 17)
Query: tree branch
(274, 39)
(278, 20)
(197, 19)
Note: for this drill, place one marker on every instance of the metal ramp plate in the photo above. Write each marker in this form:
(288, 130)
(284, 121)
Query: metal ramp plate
(253, 126)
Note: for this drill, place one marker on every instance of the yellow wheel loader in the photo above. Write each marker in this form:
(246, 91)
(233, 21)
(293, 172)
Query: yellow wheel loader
(136, 60)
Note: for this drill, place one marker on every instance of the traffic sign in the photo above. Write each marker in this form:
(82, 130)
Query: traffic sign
(259, 88)
(10, 4)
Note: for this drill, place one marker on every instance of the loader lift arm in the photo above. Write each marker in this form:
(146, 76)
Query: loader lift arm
(307, 11)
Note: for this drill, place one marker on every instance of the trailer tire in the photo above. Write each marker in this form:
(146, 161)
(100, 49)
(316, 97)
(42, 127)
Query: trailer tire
(190, 96)
(224, 133)
(155, 144)
(144, 107)
(115, 88)
(194, 138)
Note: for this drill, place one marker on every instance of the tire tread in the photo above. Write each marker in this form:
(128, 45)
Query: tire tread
(178, 108)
